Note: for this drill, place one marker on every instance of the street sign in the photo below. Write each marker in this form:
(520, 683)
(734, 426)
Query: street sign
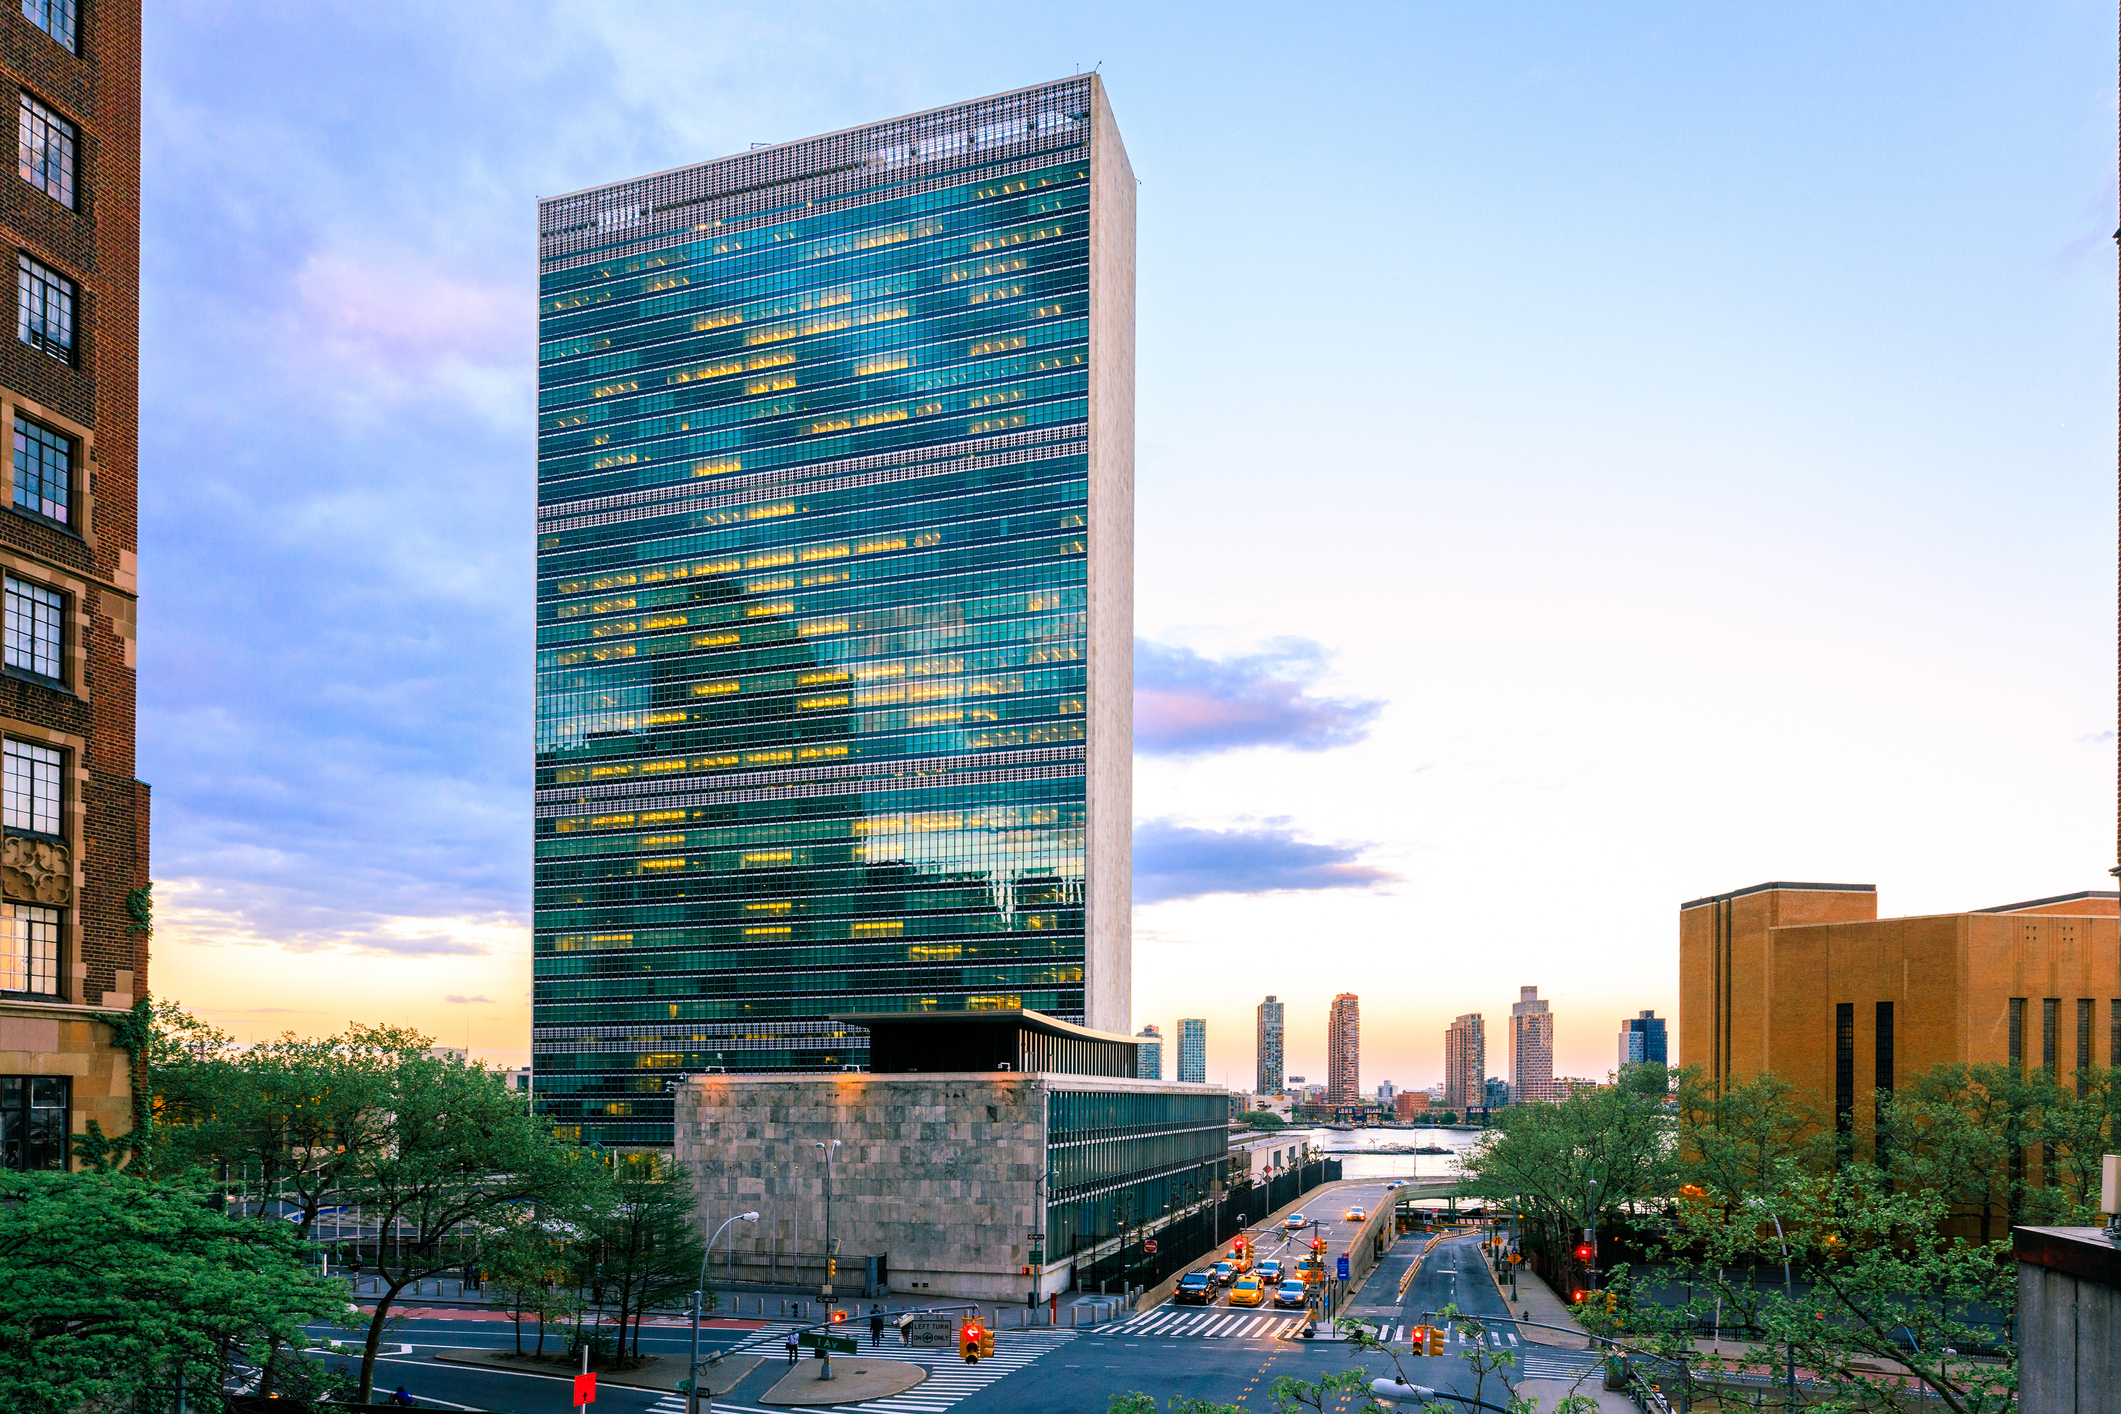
(1341, 1267)
(585, 1388)
(1038, 1257)
(929, 1332)
(831, 1344)
(1150, 1247)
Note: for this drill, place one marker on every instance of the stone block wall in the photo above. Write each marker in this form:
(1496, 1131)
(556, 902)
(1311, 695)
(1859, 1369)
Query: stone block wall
(938, 1173)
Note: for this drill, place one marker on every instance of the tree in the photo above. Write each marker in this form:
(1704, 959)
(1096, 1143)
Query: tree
(118, 1288)
(1965, 1132)
(645, 1230)
(1737, 1138)
(461, 1157)
(533, 1275)
(1263, 1119)
(1566, 1164)
(1883, 1308)
(302, 1114)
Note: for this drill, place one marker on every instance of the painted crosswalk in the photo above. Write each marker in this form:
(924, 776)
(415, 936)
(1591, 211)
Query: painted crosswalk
(1215, 1323)
(948, 1381)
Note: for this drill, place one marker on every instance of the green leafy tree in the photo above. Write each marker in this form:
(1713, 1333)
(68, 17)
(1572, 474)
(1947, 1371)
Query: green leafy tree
(296, 1116)
(118, 1288)
(1567, 1164)
(534, 1276)
(644, 1226)
(1740, 1138)
(1883, 1310)
(1965, 1131)
(462, 1158)
(1263, 1119)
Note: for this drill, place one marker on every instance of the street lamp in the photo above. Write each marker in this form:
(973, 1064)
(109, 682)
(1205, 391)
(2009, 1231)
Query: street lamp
(699, 1299)
(1787, 1296)
(831, 1264)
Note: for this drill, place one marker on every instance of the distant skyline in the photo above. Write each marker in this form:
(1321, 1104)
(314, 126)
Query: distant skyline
(1633, 373)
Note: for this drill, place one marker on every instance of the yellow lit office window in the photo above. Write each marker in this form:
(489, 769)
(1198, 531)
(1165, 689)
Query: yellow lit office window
(813, 704)
(647, 866)
(717, 467)
(722, 319)
(1001, 345)
(880, 928)
(612, 390)
(776, 906)
(714, 689)
(1008, 1002)
(770, 385)
(882, 363)
(879, 415)
(818, 626)
(760, 611)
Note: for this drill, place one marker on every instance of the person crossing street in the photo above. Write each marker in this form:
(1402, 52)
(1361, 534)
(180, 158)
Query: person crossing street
(876, 1326)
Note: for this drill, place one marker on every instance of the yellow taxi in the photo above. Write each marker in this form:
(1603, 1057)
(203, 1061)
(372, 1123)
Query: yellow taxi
(1248, 1291)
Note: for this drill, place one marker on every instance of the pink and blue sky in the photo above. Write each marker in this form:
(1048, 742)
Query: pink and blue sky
(1590, 456)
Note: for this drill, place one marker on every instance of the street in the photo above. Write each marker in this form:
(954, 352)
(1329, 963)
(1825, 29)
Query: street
(1210, 1352)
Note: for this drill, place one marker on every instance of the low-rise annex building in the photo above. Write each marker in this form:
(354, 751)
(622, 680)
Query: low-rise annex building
(985, 1154)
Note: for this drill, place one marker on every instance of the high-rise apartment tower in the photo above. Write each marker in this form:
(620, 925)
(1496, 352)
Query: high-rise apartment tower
(1193, 1050)
(1344, 1050)
(74, 912)
(1267, 1049)
(1531, 1048)
(835, 583)
(1149, 1053)
(1642, 1040)
(1465, 1062)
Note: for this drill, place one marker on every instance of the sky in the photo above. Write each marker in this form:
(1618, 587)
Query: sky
(1589, 457)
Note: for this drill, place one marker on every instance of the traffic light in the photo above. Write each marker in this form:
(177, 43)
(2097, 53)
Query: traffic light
(1583, 1253)
(973, 1340)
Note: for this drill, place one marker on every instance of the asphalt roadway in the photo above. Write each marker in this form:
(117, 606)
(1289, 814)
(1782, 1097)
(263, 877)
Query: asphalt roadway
(1159, 1351)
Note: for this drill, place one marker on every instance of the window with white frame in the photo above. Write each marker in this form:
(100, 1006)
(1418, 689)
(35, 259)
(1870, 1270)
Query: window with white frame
(61, 19)
(29, 949)
(44, 308)
(33, 626)
(29, 788)
(46, 143)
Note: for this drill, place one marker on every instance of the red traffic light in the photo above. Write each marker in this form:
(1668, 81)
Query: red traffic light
(1583, 1252)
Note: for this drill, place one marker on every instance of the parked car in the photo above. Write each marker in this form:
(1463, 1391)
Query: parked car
(1195, 1289)
(1292, 1294)
(1248, 1291)
(1225, 1273)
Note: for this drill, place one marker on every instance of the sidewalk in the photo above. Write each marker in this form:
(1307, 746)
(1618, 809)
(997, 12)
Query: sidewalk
(1536, 1301)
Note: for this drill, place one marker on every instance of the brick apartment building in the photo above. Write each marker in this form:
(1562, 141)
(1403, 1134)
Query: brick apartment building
(73, 820)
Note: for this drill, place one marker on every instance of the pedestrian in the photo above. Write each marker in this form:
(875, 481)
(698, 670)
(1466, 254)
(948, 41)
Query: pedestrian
(876, 1326)
(791, 1347)
(402, 1399)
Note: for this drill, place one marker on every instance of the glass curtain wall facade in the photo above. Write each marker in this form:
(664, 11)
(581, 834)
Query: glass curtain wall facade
(834, 588)
(1121, 1160)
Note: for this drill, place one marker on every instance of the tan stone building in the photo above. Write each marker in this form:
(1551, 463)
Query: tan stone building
(1465, 1062)
(73, 820)
(1807, 981)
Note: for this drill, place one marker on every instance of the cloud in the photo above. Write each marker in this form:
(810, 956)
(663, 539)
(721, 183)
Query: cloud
(1188, 705)
(257, 913)
(459, 999)
(1174, 861)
